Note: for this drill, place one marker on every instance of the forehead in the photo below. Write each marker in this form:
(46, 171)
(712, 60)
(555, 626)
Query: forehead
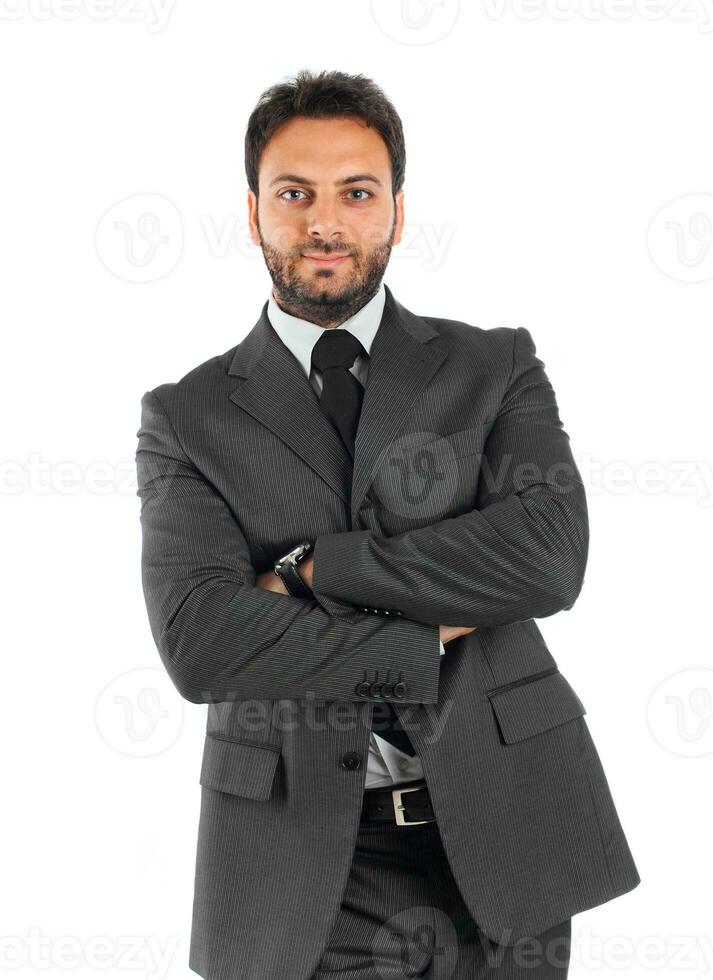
(324, 150)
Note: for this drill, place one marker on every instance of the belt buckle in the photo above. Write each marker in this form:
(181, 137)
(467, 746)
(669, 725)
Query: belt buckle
(396, 795)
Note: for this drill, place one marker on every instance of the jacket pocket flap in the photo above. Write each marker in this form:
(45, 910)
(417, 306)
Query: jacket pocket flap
(242, 768)
(534, 704)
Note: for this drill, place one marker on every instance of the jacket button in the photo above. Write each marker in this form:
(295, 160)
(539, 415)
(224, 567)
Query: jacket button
(375, 689)
(387, 690)
(399, 689)
(363, 688)
(351, 760)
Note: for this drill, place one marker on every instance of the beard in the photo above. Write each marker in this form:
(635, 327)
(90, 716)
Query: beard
(305, 297)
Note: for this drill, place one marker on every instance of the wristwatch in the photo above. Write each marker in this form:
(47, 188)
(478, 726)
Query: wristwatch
(286, 568)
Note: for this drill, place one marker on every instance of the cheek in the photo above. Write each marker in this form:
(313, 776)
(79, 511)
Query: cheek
(281, 228)
(284, 236)
(371, 232)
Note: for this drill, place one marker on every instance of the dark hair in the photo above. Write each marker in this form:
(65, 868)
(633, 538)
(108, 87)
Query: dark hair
(326, 95)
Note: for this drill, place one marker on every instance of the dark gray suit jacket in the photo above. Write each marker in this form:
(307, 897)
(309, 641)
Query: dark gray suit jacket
(465, 507)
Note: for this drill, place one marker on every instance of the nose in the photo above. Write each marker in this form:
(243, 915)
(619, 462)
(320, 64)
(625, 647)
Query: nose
(325, 222)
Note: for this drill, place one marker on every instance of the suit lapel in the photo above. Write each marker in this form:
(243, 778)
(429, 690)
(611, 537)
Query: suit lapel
(401, 364)
(276, 392)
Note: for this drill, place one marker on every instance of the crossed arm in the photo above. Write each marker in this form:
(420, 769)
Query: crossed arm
(520, 553)
(269, 580)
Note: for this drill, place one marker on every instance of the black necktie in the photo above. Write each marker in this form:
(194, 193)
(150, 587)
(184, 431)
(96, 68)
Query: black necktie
(341, 397)
(341, 400)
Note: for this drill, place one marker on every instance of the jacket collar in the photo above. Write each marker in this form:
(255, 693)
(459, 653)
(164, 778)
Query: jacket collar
(300, 335)
(406, 352)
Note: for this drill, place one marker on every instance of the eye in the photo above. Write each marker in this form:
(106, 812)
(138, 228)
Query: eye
(292, 190)
(360, 190)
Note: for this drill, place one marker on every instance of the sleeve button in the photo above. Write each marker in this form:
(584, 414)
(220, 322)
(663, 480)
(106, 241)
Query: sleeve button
(399, 689)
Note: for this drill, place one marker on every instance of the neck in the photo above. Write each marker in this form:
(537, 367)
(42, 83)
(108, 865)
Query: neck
(324, 316)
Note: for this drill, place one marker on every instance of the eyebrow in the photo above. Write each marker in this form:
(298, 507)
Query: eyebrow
(354, 179)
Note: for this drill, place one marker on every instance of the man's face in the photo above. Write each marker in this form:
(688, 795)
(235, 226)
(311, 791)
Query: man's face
(325, 218)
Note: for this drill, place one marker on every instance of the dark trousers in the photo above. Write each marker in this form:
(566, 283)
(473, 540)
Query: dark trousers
(402, 917)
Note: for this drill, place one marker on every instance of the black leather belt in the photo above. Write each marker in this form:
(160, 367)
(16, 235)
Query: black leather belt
(405, 804)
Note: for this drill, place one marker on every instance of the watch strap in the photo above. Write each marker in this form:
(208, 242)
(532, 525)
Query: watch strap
(293, 581)
(286, 568)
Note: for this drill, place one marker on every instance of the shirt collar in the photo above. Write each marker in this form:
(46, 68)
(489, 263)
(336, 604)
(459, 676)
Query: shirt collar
(300, 336)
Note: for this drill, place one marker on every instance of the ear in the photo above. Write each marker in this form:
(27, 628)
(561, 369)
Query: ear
(399, 222)
(252, 218)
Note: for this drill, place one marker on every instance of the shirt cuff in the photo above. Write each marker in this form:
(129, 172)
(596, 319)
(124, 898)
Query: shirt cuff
(443, 649)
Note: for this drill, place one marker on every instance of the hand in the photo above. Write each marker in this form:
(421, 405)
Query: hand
(447, 633)
(272, 582)
(304, 569)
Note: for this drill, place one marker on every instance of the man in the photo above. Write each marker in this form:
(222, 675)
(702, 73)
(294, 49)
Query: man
(351, 521)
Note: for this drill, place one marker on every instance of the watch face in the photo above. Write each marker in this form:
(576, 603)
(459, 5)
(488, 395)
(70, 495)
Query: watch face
(301, 550)
(295, 555)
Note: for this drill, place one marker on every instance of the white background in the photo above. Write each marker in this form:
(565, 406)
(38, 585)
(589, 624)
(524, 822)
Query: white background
(543, 142)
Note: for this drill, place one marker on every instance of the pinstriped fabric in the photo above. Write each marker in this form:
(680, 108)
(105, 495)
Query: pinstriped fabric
(463, 508)
(403, 917)
(524, 542)
(221, 637)
(385, 764)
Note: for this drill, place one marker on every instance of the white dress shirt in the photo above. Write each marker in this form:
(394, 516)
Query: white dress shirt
(387, 764)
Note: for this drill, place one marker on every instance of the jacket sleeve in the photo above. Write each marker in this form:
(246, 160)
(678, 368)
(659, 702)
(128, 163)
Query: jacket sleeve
(522, 551)
(223, 638)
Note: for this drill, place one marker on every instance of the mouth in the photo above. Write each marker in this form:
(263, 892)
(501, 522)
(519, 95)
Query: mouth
(326, 262)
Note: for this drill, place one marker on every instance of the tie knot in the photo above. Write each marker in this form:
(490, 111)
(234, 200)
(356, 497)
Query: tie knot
(336, 348)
